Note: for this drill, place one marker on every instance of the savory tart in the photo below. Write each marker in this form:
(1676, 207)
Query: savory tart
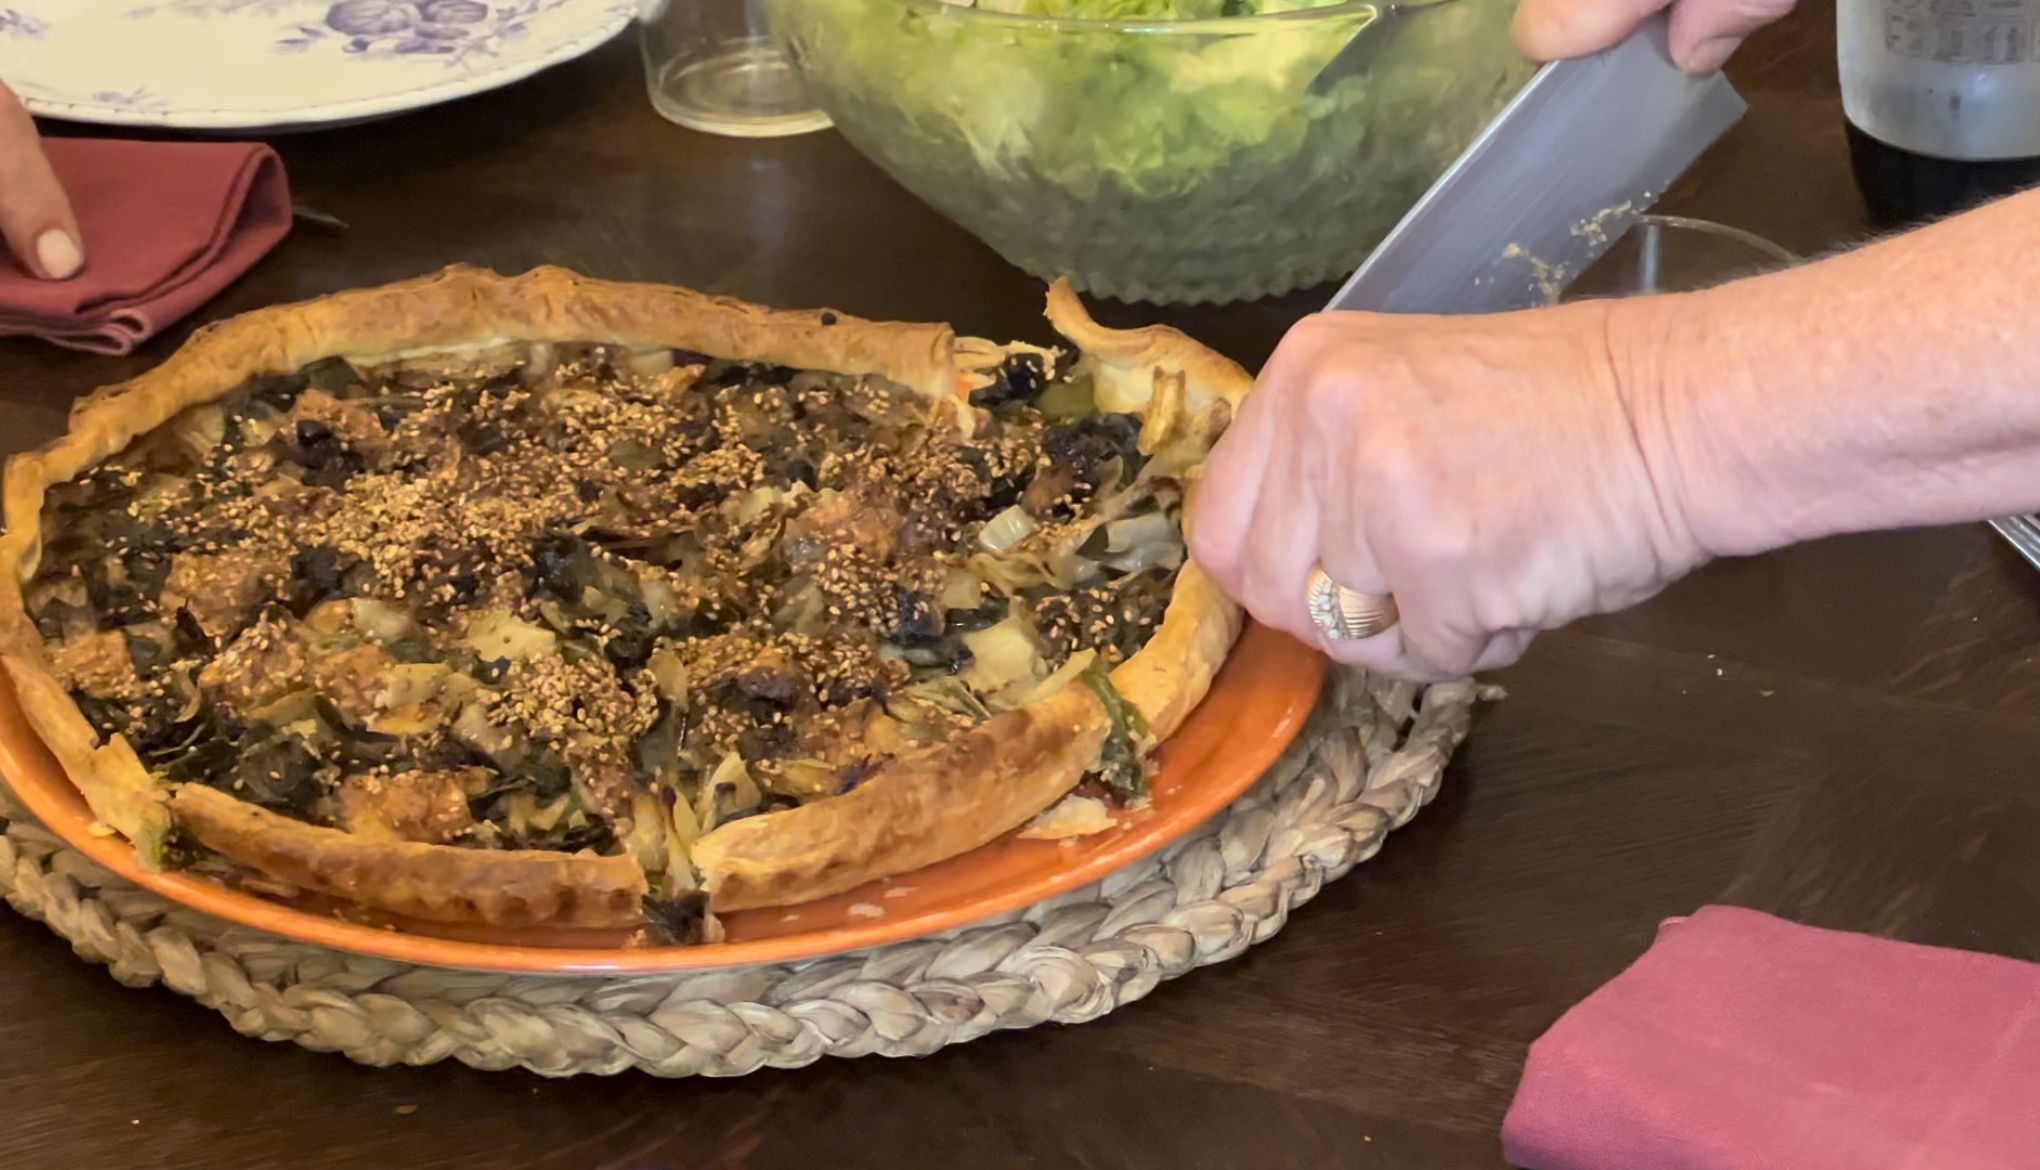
(545, 600)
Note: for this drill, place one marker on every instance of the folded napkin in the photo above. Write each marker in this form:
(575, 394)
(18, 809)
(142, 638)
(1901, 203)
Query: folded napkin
(1740, 1041)
(167, 225)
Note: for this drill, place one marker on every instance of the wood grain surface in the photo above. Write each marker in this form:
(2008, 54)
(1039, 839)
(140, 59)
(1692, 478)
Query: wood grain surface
(1844, 733)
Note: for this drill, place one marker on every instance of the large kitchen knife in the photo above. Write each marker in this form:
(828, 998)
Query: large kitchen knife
(1583, 150)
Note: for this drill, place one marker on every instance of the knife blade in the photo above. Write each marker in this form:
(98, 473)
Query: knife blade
(1369, 44)
(1574, 158)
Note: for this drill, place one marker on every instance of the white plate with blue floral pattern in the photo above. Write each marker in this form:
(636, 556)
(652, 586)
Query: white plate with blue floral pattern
(248, 64)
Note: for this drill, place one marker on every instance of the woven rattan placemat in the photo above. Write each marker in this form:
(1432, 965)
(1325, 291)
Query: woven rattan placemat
(1371, 755)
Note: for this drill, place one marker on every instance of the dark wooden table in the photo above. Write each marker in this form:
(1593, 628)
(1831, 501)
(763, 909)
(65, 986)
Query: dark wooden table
(1843, 733)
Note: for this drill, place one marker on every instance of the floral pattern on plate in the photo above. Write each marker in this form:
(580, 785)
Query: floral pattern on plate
(457, 30)
(14, 24)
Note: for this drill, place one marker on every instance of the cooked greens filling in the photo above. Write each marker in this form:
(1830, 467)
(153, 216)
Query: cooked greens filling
(1121, 772)
(582, 598)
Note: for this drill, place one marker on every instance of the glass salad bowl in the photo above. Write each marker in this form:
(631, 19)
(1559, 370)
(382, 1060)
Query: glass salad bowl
(1180, 159)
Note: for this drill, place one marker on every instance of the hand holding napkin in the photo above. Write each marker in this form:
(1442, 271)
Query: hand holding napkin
(1740, 1041)
(166, 226)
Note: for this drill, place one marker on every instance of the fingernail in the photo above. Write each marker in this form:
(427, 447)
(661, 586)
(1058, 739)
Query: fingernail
(58, 254)
(1709, 55)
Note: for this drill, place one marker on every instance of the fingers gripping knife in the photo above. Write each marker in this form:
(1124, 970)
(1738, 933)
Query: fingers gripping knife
(1582, 151)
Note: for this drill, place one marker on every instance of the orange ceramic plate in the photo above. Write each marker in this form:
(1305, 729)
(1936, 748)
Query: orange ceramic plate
(1256, 707)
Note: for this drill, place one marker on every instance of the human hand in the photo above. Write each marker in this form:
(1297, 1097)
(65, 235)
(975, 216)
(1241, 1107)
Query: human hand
(1495, 474)
(35, 215)
(1704, 32)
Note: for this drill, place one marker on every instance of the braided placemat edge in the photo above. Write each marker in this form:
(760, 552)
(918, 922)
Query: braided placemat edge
(1373, 753)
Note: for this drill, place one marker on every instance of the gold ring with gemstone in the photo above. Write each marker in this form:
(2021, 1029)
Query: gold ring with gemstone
(1346, 615)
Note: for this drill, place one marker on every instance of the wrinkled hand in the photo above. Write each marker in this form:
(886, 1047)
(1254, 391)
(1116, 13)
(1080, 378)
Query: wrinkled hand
(35, 215)
(1493, 473)
(1704, 32)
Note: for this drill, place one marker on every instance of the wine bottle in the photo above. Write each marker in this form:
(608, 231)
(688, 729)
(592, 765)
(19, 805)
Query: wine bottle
(1942, 99)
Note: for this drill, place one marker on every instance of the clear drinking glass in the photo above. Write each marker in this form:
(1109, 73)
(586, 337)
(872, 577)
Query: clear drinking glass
(1671, 253)
(714, 66)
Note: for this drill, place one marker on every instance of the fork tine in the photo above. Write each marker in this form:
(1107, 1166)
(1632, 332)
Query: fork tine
(2023, 534)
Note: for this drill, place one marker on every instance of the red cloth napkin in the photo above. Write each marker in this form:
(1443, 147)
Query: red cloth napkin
(167, 225)
(1740, 1041)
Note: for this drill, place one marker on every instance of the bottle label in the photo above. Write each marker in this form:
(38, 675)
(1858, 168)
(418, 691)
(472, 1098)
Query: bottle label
(1962, 32)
